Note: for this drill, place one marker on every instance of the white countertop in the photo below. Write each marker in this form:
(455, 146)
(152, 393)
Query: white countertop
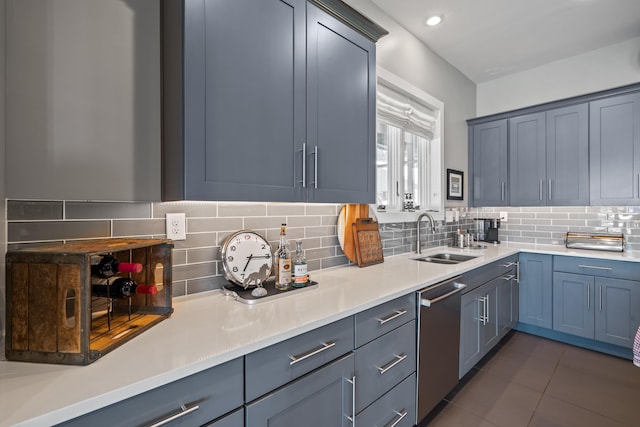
(208, 329)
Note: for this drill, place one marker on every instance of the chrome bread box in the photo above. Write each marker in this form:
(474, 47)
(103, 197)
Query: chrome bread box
(595, 241)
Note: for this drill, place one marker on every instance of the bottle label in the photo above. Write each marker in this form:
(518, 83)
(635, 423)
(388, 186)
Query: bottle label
(300, 273)
(284, 271)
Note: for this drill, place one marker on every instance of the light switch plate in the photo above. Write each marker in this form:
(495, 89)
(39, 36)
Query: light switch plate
(504, 217)
(176, 226)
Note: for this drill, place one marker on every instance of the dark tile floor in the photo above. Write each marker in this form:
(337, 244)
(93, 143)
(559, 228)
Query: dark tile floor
(532, 381)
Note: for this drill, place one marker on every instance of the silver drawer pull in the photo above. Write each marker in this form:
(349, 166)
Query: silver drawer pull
(509, 277)
(184, 412)
(400, 415)
(507, 265)
(595, 267)
(398, 359)
(390, 317)
(313, 352)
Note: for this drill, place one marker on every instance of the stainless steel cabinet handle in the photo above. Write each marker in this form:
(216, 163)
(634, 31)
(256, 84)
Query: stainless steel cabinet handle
(483, 316)
(400, 415)
(549, 195)
(391, 317)
(600, 290)
(304, 165)
(299, 358)
(541, 189)
(595, 267)
(639, 185)
(509, 277)
(507, 265)
(315, 167)
(184, 412)
(352, 418)
(399, 358)
(518, 272)
(588, 296)
(487, 308)
(502, 191)
(428, 302)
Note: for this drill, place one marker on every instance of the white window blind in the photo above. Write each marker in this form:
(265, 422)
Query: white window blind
(405, 112)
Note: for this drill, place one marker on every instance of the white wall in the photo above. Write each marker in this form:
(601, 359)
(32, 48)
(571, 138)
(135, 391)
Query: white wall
(600, 69)
(83, 81)
(404, 55)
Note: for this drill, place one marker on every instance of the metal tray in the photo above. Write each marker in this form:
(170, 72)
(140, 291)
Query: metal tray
(595, 241)
(244, 295)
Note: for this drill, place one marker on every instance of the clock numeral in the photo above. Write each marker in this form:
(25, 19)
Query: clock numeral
(235, 269)
(247, 237)
(263, 247)
(242, 276)
(232, 248)
(230, 258)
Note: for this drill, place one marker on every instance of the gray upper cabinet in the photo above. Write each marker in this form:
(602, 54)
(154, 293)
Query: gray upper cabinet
(488, 163)
(527, 170)
(266, 100)
(615, 150)
(549, 158)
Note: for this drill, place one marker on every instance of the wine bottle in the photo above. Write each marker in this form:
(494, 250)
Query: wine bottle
(109, 266)
(300, 273)
(283, 263)
(121, 288)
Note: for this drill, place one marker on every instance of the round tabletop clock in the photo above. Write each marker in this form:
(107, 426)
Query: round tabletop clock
(246, 258)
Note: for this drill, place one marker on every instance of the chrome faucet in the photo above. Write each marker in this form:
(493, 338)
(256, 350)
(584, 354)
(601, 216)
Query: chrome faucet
(433, 229)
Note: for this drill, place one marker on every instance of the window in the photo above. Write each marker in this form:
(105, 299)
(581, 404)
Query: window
(408, 152)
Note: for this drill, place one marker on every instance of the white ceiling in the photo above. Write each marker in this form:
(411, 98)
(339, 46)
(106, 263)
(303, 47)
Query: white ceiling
(487, 39)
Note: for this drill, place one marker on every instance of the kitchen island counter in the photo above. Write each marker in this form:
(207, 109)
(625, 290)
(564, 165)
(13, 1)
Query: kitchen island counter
(209, 329)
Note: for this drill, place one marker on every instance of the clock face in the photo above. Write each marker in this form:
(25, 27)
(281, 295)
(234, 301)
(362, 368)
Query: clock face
(246, 258)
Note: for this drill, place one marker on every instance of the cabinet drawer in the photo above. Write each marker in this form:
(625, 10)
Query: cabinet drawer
(486, 273)
(597, 267)
(398, 406)
(379, 320)
(235, 419)
(213, 392)
(383, 363)
(274, 366)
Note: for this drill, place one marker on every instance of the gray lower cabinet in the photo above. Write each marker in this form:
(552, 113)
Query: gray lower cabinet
(615, 150)
(488, 312)
(320, 399)
(396, 408)
(536, 290)
(594, 299)
(194, 400)
(385, 363)
(266, 100)
(488, 164)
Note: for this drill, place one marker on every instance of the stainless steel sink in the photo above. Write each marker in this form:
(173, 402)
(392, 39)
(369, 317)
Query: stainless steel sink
(444, 258)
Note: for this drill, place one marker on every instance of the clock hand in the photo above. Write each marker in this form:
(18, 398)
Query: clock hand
(248, 261)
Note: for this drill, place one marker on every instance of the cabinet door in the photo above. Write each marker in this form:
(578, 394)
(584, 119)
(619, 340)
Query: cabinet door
(322, 398)
(244, 99)
(507, 304)
(617, 305)
(341, 111)
(527, 160)
(490, 334)
(614, 135)
(573, 304)
(567, 149)
(536, 289)
(488, 158)
(470, 329)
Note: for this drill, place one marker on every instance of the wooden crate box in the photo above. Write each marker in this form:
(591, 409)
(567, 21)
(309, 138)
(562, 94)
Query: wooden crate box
(52, 316)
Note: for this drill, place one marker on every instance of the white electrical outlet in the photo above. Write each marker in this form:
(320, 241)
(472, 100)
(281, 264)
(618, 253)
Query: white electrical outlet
(504, 216)
(176, 226)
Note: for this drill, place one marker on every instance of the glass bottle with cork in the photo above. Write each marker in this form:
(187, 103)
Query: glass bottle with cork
(283, 263)
(300, 272)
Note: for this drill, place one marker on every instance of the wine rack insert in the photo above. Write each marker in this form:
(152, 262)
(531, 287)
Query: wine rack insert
(52, 316)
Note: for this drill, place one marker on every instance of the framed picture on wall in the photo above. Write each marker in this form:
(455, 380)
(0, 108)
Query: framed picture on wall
(455, 180)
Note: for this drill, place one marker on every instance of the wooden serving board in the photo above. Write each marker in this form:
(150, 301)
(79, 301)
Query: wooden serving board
(348, 215)
(366, 237)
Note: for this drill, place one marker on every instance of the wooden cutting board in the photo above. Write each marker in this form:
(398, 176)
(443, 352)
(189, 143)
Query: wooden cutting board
(348, 215)
(366, 238)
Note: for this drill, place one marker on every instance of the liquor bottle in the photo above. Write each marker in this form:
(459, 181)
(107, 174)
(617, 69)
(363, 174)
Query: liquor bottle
(109, 266)
(120, 288)
(283, 262)
(300, 273)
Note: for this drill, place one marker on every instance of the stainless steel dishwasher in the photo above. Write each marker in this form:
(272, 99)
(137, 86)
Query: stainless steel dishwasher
(438, 343)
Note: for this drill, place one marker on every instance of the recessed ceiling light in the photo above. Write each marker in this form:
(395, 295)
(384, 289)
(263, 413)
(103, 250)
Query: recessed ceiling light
(433, 20)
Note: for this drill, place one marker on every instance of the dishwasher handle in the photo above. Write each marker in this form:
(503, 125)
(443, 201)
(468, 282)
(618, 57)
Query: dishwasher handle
(428, 302)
